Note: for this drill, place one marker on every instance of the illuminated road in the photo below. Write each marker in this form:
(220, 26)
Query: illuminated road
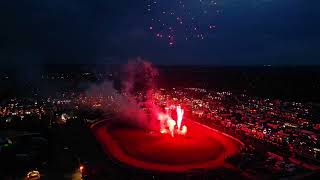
(76, 175)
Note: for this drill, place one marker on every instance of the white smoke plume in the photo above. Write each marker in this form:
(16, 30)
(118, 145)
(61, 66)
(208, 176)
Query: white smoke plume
(138, 80)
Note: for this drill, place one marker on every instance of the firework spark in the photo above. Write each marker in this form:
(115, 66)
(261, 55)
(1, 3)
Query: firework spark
(177, 20)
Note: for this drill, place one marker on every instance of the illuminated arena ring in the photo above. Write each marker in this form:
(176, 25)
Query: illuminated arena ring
(202, 148)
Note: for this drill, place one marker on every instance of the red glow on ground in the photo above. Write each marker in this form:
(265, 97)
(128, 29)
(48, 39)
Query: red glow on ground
(201, 148)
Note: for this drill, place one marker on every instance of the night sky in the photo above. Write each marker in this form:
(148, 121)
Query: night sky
(230, 32)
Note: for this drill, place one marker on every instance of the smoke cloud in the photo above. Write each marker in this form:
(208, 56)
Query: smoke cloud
(138, 84)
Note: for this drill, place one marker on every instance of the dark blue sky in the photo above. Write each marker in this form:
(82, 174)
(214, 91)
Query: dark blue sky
(249, 32)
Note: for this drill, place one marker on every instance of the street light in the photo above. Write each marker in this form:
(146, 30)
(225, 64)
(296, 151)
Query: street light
(81, 168)
(33, 175)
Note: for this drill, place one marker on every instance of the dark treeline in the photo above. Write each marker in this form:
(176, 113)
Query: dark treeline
(292, 83)
(301, 83)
